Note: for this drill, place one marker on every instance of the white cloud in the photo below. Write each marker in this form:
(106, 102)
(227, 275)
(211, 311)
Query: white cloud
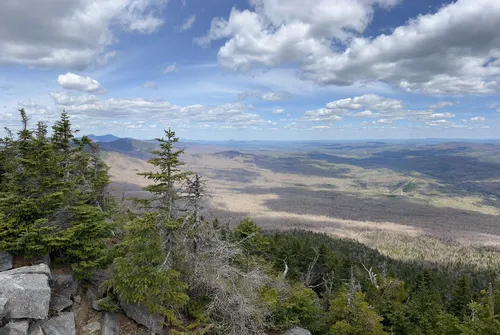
(188, 23)
(170, 68)
(70, 34)
(150, 84)
(266, 96)
(435, 116)
(442, 104)
(71, 81)
(361, 106)
(278, 111)
(233, 115)
(477, 119)
(372, 106)
(183, 3)
(63, 99)
(453, 51)
(382, 121)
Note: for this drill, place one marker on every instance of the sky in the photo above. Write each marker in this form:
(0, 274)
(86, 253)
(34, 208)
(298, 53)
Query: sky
(254, 69)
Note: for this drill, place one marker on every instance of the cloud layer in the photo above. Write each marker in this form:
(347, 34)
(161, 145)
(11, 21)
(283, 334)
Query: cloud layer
(453, 51)
(70, 34)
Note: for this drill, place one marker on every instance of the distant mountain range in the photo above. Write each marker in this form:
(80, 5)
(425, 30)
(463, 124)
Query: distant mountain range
(130, 147)
(103, 138)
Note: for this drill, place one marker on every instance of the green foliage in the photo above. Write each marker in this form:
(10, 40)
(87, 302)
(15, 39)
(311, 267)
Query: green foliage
(52, 195)
(290, 306)
(143, 271)
(352, 315)
(139, 273)
(248, 236)
(168, 176)
(210, 280)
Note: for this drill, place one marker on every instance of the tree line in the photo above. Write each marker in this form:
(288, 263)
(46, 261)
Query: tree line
(205, 277)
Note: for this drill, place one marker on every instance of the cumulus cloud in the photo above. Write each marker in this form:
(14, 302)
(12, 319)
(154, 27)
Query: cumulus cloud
(71, 81)
(278, 111)
(372, 106)
(453, 51)
(369, 105)
(170, 68)
(150, 84)
(188, 23)
(71, 34)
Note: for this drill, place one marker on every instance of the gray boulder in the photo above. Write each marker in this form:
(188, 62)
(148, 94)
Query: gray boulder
(64, 285)
(109, 326)
(3, 304)
(17, 327)
(59, 303)
(298, 331)
(35, 329)
(6, 261)
(140, 314)
(63, 324)
(27, 291)
(95, 305)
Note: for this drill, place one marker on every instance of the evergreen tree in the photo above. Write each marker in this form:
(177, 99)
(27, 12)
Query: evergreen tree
(144, 271)
(45, 204)
(168, 181)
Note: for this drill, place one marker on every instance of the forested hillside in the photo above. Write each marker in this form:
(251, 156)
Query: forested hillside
(204, 277)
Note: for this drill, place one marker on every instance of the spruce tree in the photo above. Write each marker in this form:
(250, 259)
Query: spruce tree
(144, 271)
(46, 200)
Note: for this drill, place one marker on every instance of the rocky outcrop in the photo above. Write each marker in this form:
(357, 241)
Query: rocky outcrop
(3, 303)
(298, 331)
(59, 303)
(25, 297)
(27, 292)
(16, 327)
(64, 287)
(63, 324)
(6, 261)
(140, 314)
(35, 329)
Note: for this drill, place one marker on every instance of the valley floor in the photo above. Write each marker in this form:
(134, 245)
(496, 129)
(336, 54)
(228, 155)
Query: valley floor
(434, 216)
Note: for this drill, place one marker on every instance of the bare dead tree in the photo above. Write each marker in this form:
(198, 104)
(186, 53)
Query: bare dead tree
(329, 282)
(308, 278)
(234, 307)
(285, 272)
(371, 275)
(353, 288)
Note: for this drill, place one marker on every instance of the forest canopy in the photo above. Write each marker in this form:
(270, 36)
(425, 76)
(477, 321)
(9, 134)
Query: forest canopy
(204, 277)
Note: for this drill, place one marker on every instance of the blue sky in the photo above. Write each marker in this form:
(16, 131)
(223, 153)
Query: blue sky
(255, 69)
